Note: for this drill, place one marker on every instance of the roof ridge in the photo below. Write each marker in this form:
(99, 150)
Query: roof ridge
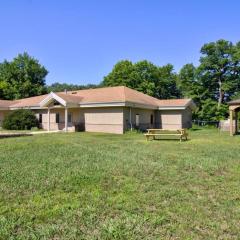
(87, 89)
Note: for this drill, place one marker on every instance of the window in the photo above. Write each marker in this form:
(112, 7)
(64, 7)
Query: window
(69, 117)
(40, 118)
(137, 120)
(57, 118)
(151, 119)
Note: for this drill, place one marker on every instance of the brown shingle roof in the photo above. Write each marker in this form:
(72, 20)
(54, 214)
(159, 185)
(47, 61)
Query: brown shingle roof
(174, 102)
(6, 103)
(69, 98)
(28, 102)
(138, 97)
(100, 95)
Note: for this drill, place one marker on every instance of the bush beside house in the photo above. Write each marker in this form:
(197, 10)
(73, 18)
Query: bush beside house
(22, 119)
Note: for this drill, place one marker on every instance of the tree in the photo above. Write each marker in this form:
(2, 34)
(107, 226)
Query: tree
(23, 77)
(219, 70)
(60, 87)
(166, 86)
(121, 75)
(187, 80)
(215, 81)
(144, 76)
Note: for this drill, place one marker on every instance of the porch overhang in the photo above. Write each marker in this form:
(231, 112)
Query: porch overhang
(234, 108)
(54, 97)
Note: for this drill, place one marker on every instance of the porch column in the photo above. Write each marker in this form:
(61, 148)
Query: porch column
(236, 121)
(48, 119)
(66, 119)
(231, 122)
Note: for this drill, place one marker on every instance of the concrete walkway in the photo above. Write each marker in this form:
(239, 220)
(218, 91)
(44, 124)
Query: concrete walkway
(22, 134)
(42, 132)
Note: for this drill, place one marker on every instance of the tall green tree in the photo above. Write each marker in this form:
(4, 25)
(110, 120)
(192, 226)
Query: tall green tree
(166, 85)
(144, 76)
(187, 81)
(215, 81)
(219, 70)
(121, 74)
(23, 77)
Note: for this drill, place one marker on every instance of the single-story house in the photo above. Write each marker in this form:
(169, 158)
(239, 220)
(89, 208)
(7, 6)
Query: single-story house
(110, 109)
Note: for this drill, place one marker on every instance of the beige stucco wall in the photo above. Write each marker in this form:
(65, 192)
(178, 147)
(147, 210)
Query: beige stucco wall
(144, 118)
(114, 119)
(175, 119)
(170, 119)
(107, 119)
(76, 118)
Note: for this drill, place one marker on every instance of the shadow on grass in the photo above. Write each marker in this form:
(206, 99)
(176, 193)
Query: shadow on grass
(169, 140)
(195, 129)
(11, 135)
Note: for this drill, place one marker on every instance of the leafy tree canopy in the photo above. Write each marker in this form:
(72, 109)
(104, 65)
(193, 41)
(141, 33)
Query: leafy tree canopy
(23, 77)
(60, 87)
(211, 84)
(146, 77)
(215, 81)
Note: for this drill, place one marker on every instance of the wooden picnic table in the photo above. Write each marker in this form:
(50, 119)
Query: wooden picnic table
(152, 133)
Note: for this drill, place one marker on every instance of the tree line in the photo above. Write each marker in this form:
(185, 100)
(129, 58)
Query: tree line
(211, 84)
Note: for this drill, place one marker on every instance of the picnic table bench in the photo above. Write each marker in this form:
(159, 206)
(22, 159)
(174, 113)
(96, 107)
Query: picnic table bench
(152, 133)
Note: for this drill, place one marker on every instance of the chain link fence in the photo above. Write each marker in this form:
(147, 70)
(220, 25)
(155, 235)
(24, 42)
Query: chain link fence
(202, 123)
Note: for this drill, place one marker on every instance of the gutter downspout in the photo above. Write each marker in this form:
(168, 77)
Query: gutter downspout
(130, 112)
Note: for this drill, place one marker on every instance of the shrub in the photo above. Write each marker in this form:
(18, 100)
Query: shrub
(22, 119)
(35, 129)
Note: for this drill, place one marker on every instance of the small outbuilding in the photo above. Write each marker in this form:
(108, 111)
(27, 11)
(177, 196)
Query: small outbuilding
(234, 109)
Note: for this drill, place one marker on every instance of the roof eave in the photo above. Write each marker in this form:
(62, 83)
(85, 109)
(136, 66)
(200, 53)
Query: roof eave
(117, 104)
(172, 108)
(233, 103)
(141, 105)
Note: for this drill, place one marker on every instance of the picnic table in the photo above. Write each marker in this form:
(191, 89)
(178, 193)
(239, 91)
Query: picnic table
(153, 133)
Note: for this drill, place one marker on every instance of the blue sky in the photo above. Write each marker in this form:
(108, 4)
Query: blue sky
(80, 41)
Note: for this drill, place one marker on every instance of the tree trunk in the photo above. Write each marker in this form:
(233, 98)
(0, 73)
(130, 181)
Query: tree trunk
(221, 93)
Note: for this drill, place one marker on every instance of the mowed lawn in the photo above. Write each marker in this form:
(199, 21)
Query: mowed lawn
(104, 186)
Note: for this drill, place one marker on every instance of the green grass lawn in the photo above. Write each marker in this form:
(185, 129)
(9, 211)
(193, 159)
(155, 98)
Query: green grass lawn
(103, 186)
